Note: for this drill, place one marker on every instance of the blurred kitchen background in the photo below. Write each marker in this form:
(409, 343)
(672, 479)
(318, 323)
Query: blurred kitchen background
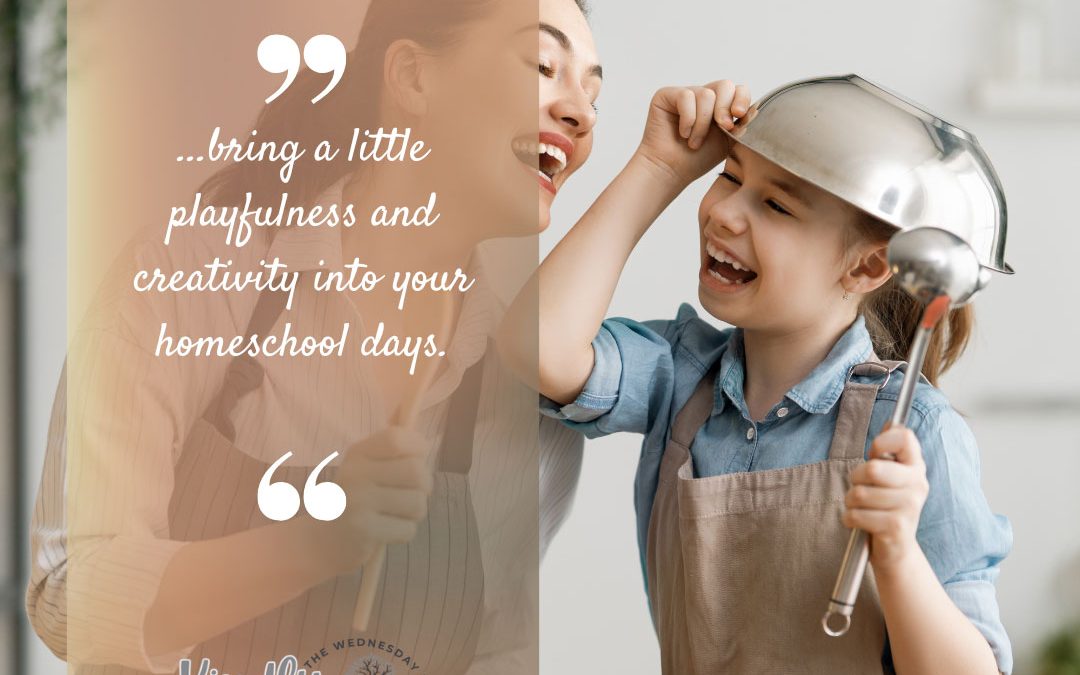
(1009, 70)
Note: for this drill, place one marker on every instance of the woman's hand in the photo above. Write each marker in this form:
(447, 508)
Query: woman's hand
(887, 497)
(679, 136)
(387, 481)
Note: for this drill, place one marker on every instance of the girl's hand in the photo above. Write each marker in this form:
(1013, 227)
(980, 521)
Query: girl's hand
(887, 497)
(679, 135)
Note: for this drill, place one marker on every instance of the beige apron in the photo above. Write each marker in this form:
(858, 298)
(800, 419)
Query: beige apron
(740, 566)
(430, 600)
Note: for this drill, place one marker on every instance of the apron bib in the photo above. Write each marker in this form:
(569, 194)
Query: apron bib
(430, 600)
(740, 566)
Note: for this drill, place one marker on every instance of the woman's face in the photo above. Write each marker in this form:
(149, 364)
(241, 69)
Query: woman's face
(772, 247)
(480, 114)
(570, 79)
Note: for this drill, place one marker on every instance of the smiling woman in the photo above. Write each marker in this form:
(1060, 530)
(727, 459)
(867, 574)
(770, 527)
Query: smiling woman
(570, 80)
(462, 550)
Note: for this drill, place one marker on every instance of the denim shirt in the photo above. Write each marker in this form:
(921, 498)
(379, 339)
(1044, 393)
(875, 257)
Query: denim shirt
(645, 372)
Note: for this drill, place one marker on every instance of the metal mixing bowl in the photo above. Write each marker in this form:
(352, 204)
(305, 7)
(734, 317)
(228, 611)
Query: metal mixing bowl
(884, 155)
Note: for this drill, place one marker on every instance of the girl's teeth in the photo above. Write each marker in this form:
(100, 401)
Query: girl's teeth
(724, 258)
(725, 280)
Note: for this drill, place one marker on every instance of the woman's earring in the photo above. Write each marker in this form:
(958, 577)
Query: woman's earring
(847, 296)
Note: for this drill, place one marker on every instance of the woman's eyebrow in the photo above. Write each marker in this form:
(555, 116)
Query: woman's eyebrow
(564, 41)
(562, 38)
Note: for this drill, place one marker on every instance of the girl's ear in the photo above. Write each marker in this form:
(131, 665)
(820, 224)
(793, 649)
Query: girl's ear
(869, 271)
(403, 76)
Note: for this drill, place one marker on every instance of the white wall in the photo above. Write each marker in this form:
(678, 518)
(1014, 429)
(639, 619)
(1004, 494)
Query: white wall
(45, 262)
(1017, 385)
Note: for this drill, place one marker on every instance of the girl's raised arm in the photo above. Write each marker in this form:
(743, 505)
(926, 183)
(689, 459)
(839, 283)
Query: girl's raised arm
(577, 280)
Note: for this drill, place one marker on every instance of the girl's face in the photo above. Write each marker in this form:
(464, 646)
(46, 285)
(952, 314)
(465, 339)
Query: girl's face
(772, 247)
(570, 78)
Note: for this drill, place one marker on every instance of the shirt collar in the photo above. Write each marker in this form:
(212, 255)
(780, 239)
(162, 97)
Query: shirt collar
(819, 391)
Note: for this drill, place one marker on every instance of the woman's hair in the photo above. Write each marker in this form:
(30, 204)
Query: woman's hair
(435, 24)
(892, 316)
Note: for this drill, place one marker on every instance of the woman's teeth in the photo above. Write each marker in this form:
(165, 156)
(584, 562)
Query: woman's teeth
(550, 159)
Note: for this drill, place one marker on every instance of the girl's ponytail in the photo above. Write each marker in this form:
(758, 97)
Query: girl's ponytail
(892, 317)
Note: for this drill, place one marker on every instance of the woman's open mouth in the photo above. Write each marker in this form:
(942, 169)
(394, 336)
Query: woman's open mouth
(723, 272)
(546, 159)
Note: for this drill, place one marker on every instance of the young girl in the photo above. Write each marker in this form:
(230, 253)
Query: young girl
(752, 466)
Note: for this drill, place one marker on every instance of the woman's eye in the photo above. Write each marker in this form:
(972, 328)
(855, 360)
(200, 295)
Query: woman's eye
(730, 177)
(546, 70)
(776, 207)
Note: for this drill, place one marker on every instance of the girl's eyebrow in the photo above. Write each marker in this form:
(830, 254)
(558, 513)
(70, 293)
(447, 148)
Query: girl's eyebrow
(564, 41)
(779, 183)
(790, 190)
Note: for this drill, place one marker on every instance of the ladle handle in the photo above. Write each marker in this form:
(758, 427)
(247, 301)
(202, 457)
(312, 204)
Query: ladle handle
(853, 567)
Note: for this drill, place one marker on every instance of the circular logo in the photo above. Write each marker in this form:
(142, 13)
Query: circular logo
(370, 665)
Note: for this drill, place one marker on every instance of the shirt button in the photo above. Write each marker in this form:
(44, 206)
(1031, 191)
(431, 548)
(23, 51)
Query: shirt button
(782, 412)
(750, 434)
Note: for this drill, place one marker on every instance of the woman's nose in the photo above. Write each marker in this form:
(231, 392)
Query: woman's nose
(574, 110)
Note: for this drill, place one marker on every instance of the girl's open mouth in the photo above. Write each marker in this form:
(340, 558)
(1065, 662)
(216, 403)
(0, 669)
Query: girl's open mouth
(724, 270)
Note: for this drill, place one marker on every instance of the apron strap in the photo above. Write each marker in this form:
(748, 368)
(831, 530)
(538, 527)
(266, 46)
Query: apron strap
(857, 406)
(456, 450)
(697, 409)
(244, 374)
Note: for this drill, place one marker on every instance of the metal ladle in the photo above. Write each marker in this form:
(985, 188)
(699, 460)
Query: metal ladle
(941, 270)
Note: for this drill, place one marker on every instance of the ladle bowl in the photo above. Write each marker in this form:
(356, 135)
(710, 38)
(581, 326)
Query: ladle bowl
(928, 262)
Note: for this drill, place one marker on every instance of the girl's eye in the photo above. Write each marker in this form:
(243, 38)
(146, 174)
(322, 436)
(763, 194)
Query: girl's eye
(776, 207)
(730, 177)
(546, 70)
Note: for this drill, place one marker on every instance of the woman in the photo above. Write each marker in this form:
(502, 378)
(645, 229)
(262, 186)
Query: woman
(169, 555)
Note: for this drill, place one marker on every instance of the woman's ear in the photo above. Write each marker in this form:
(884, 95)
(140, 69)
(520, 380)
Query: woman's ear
(869, 271)
(403, 76)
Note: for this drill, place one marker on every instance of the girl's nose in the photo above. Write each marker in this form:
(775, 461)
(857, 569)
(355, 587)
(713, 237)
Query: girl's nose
(574, 110)
(729, 213)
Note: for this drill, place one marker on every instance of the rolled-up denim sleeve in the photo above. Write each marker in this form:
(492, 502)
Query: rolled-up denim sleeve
(964, 540)
(632, 377)
(601, 390)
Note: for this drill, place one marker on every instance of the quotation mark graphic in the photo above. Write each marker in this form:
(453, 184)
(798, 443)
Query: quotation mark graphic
(322, 53)
(280, 501)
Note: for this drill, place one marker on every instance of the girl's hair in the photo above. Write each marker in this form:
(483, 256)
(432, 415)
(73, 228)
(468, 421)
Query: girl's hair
(435, 24)
(892, 316)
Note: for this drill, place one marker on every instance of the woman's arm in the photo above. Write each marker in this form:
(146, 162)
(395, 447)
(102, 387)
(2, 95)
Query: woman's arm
(105, 589)
(577, 280)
